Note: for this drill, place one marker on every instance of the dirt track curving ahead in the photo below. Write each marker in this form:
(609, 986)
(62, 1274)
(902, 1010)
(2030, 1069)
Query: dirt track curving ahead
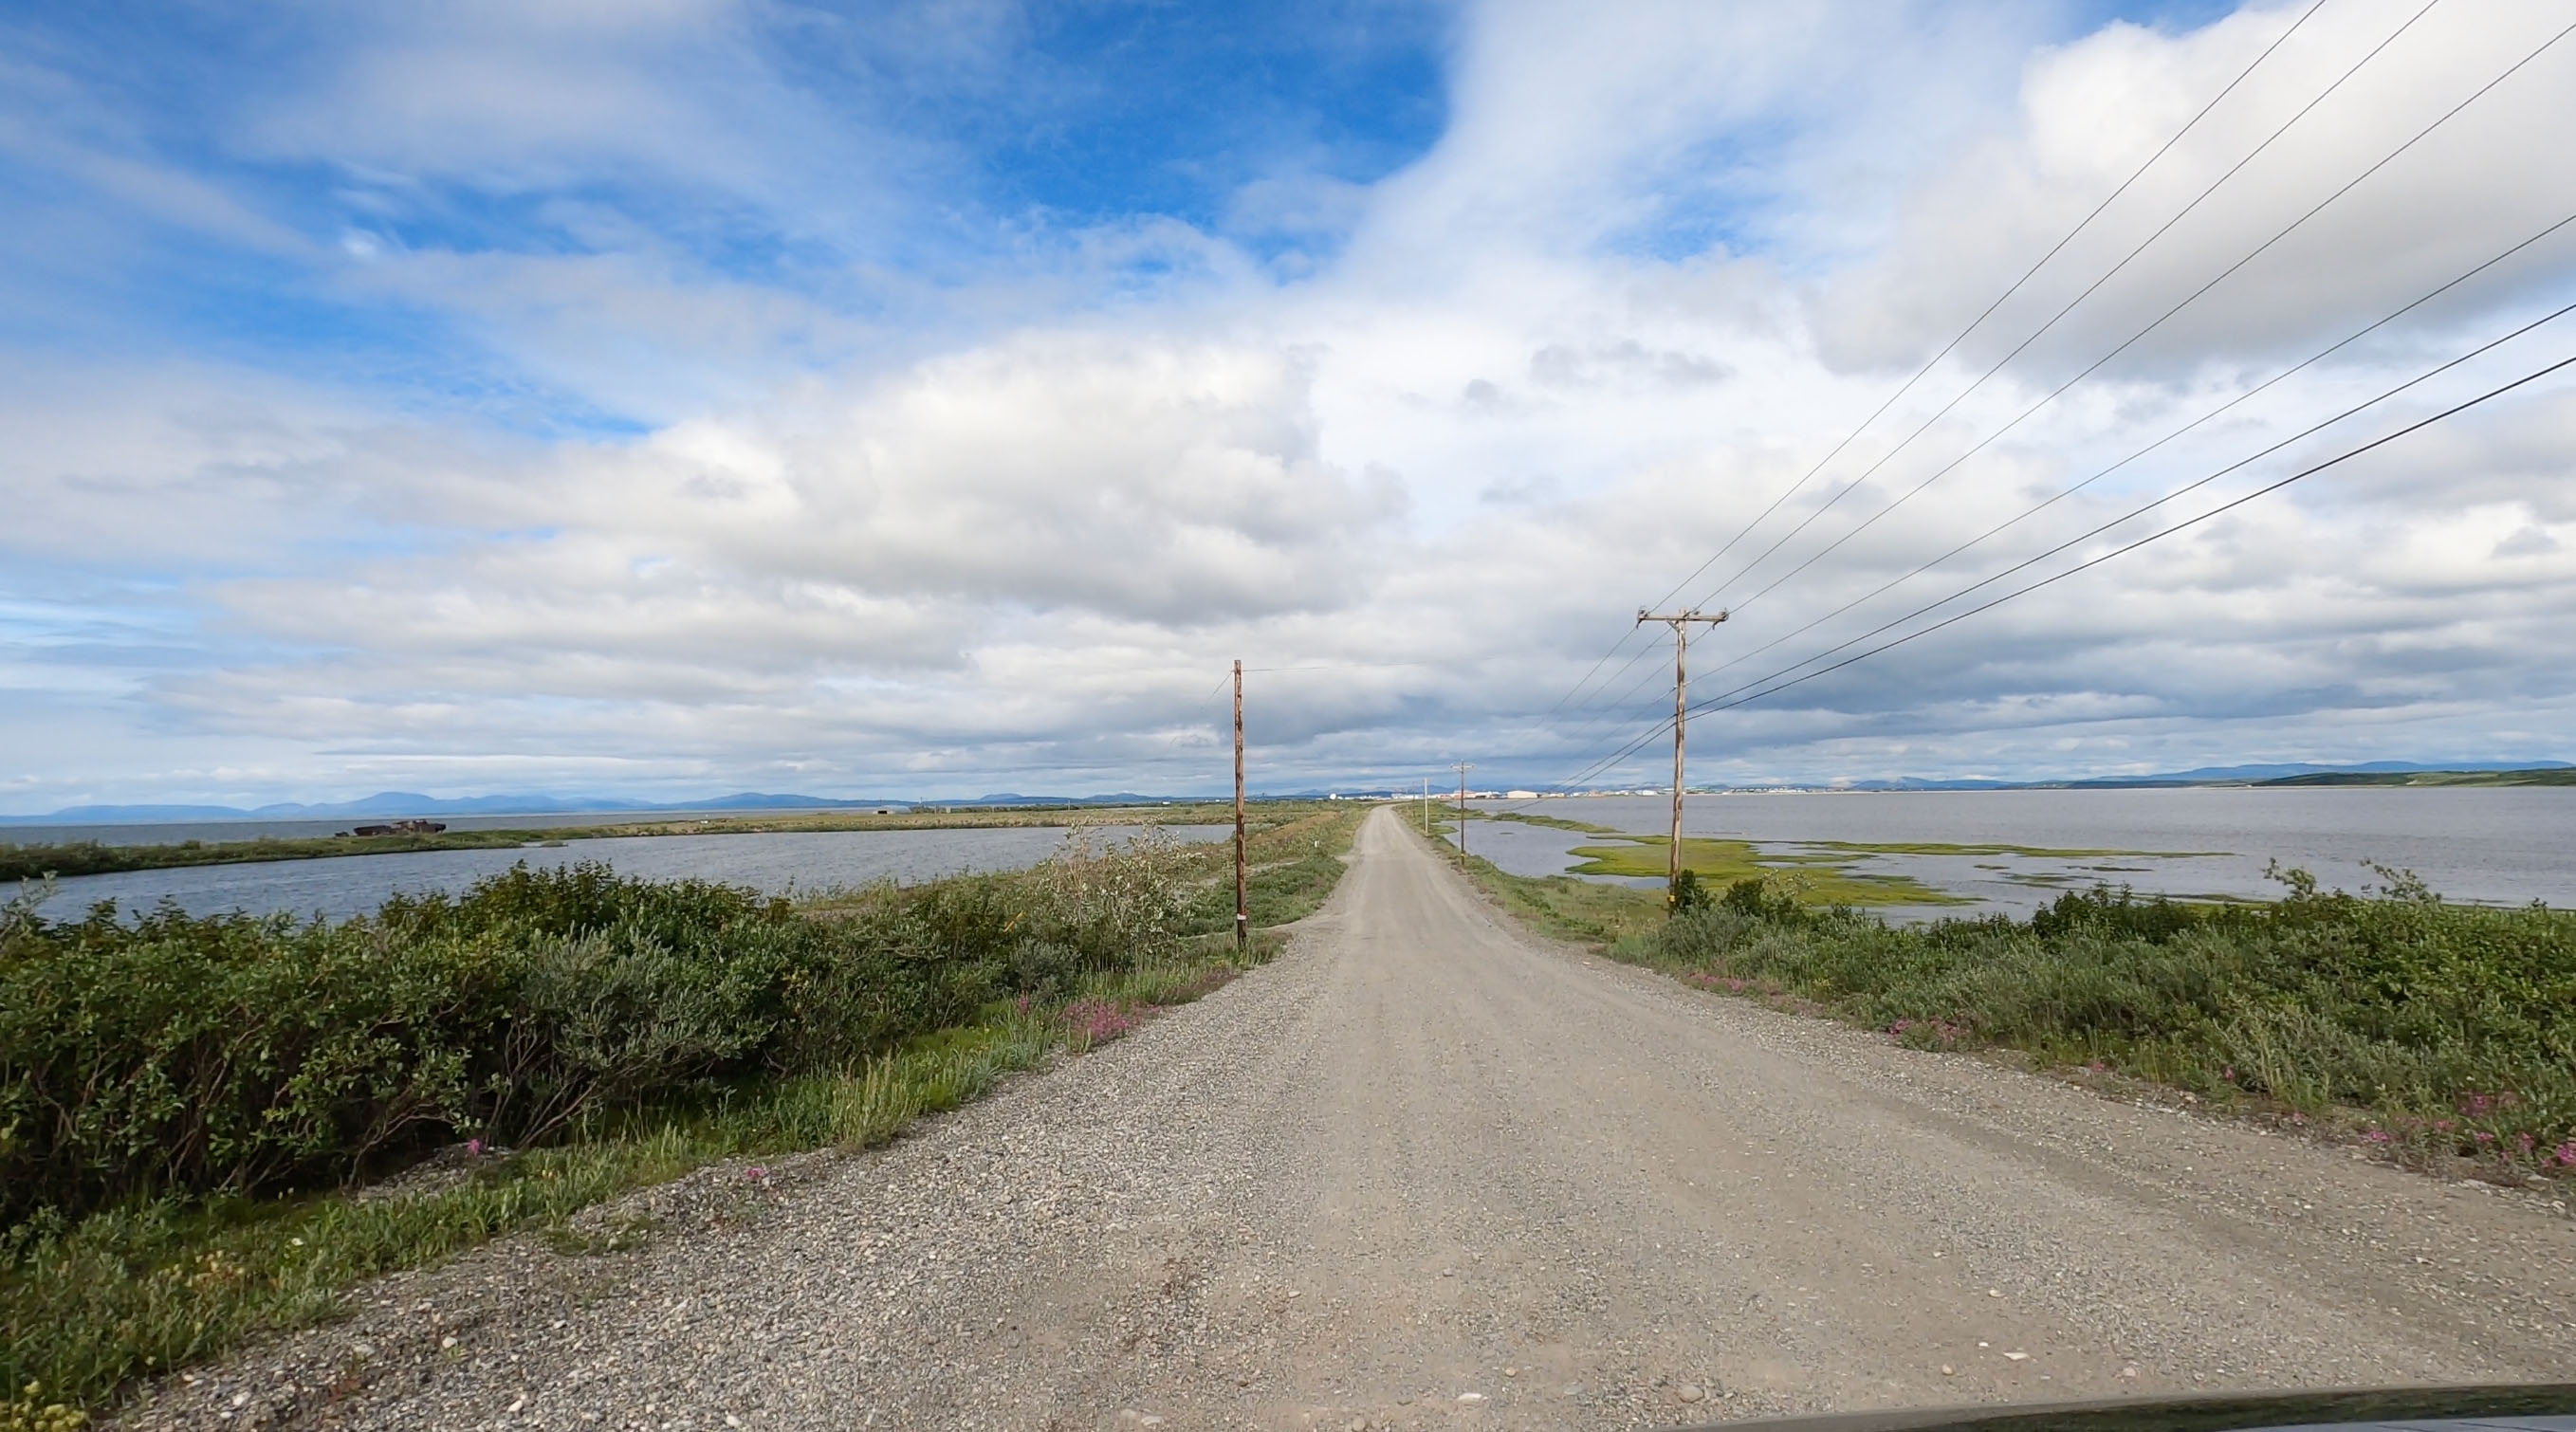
(1426, 1171)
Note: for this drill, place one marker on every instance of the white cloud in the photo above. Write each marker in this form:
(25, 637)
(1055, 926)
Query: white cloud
(1014, 543)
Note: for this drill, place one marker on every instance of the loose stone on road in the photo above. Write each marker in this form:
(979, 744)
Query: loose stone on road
(1425, 1170)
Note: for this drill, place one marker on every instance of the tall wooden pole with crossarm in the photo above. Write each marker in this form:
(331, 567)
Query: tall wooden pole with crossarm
(1242, 905)
(1680, 622)
(1463, 768)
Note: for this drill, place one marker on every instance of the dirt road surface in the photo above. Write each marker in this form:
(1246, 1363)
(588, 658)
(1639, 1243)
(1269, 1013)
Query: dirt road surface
(1426, 1171)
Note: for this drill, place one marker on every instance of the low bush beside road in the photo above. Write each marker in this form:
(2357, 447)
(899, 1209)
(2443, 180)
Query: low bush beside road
(2441, 1034)
(2450, 1028)
(185, 1100)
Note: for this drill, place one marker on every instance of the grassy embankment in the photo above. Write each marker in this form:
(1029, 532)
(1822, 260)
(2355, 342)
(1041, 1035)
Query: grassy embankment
(2443, 1035)
(2540, 776)
(89, 857)
(189, 1108)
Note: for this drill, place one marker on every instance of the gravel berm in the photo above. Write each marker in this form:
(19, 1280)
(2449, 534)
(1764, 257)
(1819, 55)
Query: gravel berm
(1425, 1170)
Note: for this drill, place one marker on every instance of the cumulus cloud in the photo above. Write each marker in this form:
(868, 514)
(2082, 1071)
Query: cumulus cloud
(1001, 516)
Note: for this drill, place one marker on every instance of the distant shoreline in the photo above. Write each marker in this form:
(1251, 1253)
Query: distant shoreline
(73, 858)
(2428, 780)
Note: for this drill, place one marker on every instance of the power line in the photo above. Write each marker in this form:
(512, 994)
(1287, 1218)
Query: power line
(2133, 339)
(2189, 487)
(2143, 245)
(1962, 336)
(1610, 713)
(2220, 510)
(1864, 475)
(2065, 492)
(1771, 685)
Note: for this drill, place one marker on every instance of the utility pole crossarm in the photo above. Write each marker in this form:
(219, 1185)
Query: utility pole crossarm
(1680, 622)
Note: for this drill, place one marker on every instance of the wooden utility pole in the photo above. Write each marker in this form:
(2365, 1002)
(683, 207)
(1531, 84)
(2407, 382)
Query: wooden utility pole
(1463, 769)
(1680, 622)
(1242, 907)
(1426, 807)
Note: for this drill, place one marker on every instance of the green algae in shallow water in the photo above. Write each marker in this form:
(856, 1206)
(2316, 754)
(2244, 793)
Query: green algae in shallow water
(1818, 879)
(2037, 852)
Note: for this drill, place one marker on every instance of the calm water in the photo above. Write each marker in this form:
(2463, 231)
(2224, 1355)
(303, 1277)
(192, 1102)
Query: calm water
(2503, 845)
(211, 831)
(344, 885)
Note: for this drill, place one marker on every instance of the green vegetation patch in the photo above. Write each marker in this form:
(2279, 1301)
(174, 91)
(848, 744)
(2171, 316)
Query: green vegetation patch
(2035, 852)
(2441, 1032)
(1819, 879)
(211, 1128)
(1555, 822)
(2438, 1034)
(2541, 776)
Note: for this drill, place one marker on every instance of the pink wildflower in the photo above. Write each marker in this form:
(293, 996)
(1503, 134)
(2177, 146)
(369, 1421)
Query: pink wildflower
(474, 1148)
(2376, 1136)
(1097, 1020)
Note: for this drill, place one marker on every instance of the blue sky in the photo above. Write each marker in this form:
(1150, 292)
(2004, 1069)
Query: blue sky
(667, 397)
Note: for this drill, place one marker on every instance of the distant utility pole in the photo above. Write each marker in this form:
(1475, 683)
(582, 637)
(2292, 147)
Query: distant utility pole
(1426, 807)
(1680, 622)
(1463, 768)
(1242, 908)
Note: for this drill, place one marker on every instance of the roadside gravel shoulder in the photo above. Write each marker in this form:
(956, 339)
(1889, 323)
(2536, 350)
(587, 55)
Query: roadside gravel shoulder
(831, 1280)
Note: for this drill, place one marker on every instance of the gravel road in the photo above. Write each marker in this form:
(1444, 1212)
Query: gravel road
(1427, 1171)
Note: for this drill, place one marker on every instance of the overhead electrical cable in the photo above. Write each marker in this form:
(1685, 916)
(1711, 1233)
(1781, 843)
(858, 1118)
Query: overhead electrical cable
(2065, 492)
(1610, 711)
(1773, 682)
(2156, 536)
(2133, 339)
(1963, 334)
(2182, 491)
(2142, 246)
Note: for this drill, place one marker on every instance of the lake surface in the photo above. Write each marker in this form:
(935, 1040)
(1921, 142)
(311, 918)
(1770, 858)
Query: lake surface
(2495, 845)
(776, 862)
(211, 831)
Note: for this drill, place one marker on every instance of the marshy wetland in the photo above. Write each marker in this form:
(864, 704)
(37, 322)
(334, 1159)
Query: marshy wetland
(776, 855)
(1928, 854)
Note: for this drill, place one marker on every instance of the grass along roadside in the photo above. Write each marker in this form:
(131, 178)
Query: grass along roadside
(155, 1287)
(1561, 907)
(147, 1285)
(36, 862)
(2440, 1036)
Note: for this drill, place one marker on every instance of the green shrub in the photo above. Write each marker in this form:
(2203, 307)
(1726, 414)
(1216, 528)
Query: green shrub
(631, 1030)
(2456, 1025)
(175, 1055)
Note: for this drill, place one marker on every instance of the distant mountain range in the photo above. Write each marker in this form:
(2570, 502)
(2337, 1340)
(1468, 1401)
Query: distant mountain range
(396, 804)
(2265, 773)
(392, 804)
